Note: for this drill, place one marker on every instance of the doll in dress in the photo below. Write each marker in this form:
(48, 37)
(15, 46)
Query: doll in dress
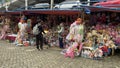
(4, 30)
(70, 52)
(111, 46)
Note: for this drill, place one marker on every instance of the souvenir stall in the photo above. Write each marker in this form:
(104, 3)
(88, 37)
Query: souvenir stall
(51, 19)
(101, 39)
(101, 34)
(1, 18)
(13, 20)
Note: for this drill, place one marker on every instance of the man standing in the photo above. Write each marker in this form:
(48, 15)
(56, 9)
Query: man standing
(60, 32)
(39, 36)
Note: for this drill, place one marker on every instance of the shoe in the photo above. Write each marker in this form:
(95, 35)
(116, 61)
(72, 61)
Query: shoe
(38, 49)
(77, 53)
(41, 49)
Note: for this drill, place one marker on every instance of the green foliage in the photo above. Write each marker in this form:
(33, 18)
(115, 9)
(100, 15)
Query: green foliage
(7, 0)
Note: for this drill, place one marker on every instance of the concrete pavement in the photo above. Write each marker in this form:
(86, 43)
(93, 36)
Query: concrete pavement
(12, 56)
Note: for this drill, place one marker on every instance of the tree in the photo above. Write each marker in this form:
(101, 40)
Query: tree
(7, 0)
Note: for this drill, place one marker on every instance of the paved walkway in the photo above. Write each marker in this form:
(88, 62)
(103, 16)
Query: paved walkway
(12, 56)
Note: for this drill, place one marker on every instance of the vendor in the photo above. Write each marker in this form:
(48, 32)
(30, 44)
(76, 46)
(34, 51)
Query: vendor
(22, 33)
(60, 33)
(76, 36)
(77, 29)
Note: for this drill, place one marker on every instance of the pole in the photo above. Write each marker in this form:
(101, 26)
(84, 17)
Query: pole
(26, 4)
(6, 7)
(51, 4)
(88, 2)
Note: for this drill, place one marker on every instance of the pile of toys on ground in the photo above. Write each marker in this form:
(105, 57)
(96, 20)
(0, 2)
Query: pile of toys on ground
(99, 41)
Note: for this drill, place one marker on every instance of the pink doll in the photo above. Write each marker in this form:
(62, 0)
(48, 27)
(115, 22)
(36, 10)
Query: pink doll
(97, 27)
(71, 50)
(4, 31)
(98, 53)
(117, 40)
(104, 48)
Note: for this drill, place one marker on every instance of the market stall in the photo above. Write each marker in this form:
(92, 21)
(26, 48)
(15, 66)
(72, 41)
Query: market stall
(102, 35)
(51, 20)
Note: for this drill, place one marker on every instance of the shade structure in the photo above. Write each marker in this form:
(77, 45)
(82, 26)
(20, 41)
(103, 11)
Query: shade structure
(14, 12)
(1, 13)
(47, 12)
(110, 5)
(101, 9)
(109, 2)
(55, 12)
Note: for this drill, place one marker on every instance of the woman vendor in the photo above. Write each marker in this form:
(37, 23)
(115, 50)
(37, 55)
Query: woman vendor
(75, 36)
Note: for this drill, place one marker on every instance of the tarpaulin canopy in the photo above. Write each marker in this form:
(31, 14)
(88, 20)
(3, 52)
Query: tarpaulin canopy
(50, 12)
(1, 13)
(98, 9)
(14, 12)
(55, 12)
(109, 3)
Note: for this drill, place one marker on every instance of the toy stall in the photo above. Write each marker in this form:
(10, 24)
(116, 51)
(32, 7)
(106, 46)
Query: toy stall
(102, 33)
(103, 36)
(51, 20)
(11, 18)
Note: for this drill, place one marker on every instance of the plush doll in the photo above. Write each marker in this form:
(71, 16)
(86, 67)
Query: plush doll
(97, 27)
(117, 40)
(89, 35)
(104, 48)
(111, 46)
(106, 37)
(26, 43)
(100, 38)
(71, 50)
(88, 43)
(97, 54)
(94, 32)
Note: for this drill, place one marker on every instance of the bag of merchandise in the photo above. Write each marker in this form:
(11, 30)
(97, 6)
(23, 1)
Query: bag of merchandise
(35, 30)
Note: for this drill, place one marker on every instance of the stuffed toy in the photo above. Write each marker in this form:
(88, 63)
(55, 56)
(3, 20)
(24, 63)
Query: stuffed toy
(88, 43)
(94, 32)
(26, 43)
(70, 52)
(98, 53)
(117, 40)
(89, 35)
(104, 48)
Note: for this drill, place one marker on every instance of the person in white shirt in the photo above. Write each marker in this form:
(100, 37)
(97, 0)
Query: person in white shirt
(76, 29)
(76, 37)
(60, 32)
(21, 36)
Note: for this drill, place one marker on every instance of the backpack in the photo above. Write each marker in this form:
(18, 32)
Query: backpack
(35, 30)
